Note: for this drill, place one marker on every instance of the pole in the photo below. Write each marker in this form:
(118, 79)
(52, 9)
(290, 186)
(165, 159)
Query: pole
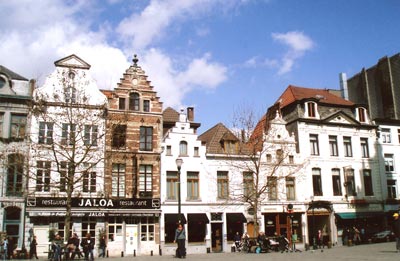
(179, 194)
(313, 226)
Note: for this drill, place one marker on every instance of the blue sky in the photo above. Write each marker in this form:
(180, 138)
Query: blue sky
(215, 55)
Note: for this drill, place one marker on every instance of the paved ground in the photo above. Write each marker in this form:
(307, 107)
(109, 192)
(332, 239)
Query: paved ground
(381, 251)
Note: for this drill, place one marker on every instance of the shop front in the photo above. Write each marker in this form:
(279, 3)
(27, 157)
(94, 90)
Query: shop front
(130, 225)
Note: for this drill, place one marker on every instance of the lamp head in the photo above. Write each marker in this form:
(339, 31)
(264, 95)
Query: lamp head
(179, 162)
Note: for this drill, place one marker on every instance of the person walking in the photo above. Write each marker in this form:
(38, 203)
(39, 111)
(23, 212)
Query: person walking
(396, 230)
(102, 246)
(88, 246)
(180, 237)
(32, 248)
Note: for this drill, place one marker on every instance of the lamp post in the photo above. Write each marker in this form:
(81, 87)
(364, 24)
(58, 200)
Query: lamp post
(313, 224)
(179, 163)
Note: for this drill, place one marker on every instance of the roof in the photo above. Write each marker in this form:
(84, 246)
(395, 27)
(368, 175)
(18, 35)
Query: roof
(11, 74)
(294, 94)
(170, 115)
(107, 93)
(213, 137)
(72, 61)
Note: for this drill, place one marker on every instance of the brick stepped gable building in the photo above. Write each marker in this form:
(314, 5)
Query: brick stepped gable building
(133, 163)
(15, 99)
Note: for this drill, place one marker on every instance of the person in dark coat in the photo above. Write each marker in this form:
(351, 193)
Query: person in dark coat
(32, 248)
(396, 230)
(102, 246)
(180, 238)
(88, 246)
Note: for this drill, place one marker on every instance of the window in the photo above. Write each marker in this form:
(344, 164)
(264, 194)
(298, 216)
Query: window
(361, 114)
(183, 148)
(68, 134)
(1, 121)
(272, 183)
(134, 102)
(279, 155)
(145, 181)
(391, 188)
(172, 185)
(15, 173)
(350, 182)
(314, 144)
(169, 151)
(146, 138)
(248, 185)
(311, 109)
(18, 127)
(230, 146)
(121, 103)
(269, 158)
(290, 188)
(364, 147)
(147, 229)
(389, 162)
(90, 138)
(46, 133)
(146, 105)
(196, 151)
(119, 136)
(368, 182)
(222, 182)
(114, 228)
(66, 173)
(70, 94)
(118, 180)
(347, 147)
(336, 184)
(386, 136)
(291, 159)
(43, 176)
(88, 226)
(333, 146)
(89, 178)
(193, 185)
(317, 184)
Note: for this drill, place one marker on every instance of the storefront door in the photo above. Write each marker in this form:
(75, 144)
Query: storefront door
(131, 239)
(42, 238)
(216, 237)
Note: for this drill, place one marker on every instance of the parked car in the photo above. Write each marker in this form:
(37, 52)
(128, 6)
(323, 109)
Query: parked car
(383, 236)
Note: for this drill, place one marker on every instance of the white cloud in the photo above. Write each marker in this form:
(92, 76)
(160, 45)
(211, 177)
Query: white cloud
(298, 44)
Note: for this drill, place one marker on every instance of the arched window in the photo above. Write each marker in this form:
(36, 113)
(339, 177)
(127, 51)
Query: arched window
(134, 102)
(183, 148)
(361, 114)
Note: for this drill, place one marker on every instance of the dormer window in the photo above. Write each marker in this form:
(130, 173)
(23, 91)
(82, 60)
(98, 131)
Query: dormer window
(361, 114)
(311, 109)
(2, 82)
(229, 146)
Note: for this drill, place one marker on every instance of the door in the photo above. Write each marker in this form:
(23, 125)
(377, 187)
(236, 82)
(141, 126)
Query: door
(131, 239)
(216, 237)
(42, 238)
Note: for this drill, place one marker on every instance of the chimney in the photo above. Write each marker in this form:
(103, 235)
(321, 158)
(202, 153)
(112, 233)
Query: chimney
(190, 114)
(343, 86)
(32, 85)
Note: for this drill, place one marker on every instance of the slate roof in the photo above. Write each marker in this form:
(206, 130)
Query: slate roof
(11, 74)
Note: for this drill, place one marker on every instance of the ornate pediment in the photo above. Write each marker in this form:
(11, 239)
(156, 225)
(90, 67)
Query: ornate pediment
(72, 61)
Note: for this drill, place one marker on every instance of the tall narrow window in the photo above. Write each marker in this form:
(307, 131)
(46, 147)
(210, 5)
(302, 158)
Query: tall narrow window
(66, 174)
(364, 147)
(311, 109)
(196, 152)
(248, 185)
(146, 138)
(118, 180)
(336, 184)
(368, 182)
(389, 162)
(183, 148)
(314, 146)
(317, 184)
(89, 178)
(119, 136)
(391, 188)
(272, 185)
(134, 102)
(1, 120)
(193, 185)
(350, 182)
(68, 134)
(361, 114)
(146, 181)
(14, 174)
(18, 127)
(386, 137)
(70, 94)
(146, 105)
(269, 158)
(43, 175)
(90, 138)
(169, 150)
(172, 185)
(333, 146)
(121, 103)
(222, 180)
(46, 133)
(348, 152)
(290, 188)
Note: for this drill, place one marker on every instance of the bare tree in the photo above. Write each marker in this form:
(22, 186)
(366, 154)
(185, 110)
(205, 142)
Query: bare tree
(67, 138)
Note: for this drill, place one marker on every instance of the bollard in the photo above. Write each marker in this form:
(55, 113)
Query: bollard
(233, 249)
(122, 253)
(159, 250)
(107, 253)
(208, 250)
(134, 252)
(151, 253)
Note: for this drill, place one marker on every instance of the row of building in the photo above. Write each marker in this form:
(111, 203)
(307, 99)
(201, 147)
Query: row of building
(116, 163)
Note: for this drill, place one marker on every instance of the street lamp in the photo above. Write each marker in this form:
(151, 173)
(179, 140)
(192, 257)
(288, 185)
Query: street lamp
(179, 163)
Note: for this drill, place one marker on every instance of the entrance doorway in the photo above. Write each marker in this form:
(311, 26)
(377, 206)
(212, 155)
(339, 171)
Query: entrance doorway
(216, 237)
(131, 239)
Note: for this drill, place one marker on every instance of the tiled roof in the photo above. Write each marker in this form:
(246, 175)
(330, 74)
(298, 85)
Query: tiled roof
(213, 137)
(295, 93)
(12, 74)
(107, 93)
(170, 115)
